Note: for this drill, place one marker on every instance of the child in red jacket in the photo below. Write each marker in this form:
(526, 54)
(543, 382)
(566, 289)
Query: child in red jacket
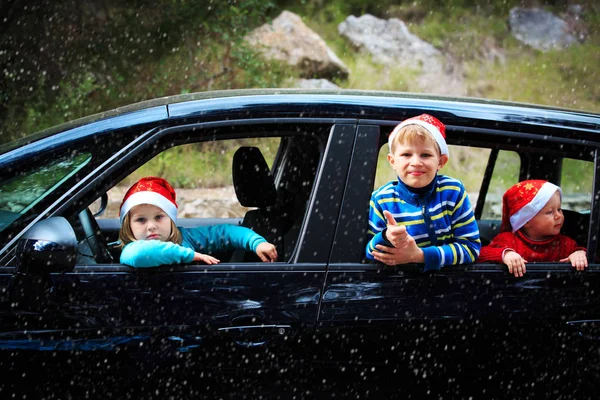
(531, 221)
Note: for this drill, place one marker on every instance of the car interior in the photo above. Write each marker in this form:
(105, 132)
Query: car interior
(275, 198)
(513, 159)
(535, 164)
(277, 210)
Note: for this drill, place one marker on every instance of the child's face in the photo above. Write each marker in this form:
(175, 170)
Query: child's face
(149, 222)
(547, 222)
(416, 163)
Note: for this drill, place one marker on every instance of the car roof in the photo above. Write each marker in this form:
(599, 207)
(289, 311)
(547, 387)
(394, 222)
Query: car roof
(320, 103)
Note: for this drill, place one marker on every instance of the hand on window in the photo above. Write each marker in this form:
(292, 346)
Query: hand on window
(266, 252)
(205, 258)
(578, 260)
(514, 262)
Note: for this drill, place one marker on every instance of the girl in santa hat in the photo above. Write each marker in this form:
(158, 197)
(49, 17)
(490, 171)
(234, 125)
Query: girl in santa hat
(150, 237)
(530, 231)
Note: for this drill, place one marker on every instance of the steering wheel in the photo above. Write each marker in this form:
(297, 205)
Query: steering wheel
(94, 237)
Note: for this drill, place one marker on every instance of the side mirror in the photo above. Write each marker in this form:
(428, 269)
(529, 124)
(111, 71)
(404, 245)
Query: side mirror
(48, 246)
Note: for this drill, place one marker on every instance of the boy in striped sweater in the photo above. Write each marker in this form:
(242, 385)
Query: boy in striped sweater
(422, 217)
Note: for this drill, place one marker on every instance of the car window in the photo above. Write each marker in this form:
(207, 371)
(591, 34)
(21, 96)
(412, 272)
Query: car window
(20, 194)
(576, 181)
(207, 193)
(470, 173)
(201, 175)
(505, 175)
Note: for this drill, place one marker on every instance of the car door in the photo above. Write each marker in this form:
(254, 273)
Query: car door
(468, 329)
(229, 317)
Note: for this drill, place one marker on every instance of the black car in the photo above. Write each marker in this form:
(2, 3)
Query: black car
(323, 320)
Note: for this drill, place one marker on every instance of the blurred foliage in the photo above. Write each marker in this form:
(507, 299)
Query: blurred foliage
(66, 59)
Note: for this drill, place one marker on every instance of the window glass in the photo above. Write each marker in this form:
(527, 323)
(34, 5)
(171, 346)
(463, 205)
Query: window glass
(201, 175)
(465, 163)
(576, 182)
(385, 172)
(505, 175)
(20, 194)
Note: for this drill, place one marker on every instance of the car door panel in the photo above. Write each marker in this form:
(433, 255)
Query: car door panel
(442, 329)
(175, 321)
(432, 328)
(231, 316)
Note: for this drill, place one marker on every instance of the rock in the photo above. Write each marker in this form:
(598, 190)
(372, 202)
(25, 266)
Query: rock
(540, 29)
(288, 39)
(389, 42)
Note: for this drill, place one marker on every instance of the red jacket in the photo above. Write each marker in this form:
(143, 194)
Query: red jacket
(553, 249)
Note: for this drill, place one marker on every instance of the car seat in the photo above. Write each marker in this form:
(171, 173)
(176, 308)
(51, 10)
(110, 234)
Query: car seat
(254, 187)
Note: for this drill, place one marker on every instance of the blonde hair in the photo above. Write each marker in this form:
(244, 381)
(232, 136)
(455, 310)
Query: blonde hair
(415, 134)
(126, 234)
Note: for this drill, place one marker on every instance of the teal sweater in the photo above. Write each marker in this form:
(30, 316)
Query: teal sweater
(202, 239)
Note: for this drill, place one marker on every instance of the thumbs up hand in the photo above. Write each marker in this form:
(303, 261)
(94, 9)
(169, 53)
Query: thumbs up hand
(405, 248)
(395, 234)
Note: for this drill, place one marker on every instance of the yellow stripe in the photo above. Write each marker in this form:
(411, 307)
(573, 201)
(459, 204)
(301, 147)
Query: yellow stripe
(468, 251)
(441, 238)
(460, 203)
(407, 223)
(455, 258)
(455, 188)
(465, 223)
(376, 211)
(440, 215)
(371, 246)
(391, 200)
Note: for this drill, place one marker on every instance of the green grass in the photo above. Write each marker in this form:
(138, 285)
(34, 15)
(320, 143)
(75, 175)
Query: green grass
(206, 165)
(566, 79)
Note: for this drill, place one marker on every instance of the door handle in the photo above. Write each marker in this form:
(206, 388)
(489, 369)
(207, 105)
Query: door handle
(255, 335)
(587, 329)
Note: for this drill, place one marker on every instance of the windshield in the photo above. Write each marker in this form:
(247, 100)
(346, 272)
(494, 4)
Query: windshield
(20, 194)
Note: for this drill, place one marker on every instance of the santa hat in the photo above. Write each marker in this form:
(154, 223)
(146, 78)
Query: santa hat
(431, 124)
(523, 201)
(150, 190)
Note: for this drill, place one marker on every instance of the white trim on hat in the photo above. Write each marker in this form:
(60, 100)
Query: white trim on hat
(437, 135)
(530, 210)
(151, 198)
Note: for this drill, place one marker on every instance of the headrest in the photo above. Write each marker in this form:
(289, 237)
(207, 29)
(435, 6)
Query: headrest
(252, 180)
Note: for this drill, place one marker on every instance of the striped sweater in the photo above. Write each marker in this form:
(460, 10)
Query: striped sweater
(440, 220)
